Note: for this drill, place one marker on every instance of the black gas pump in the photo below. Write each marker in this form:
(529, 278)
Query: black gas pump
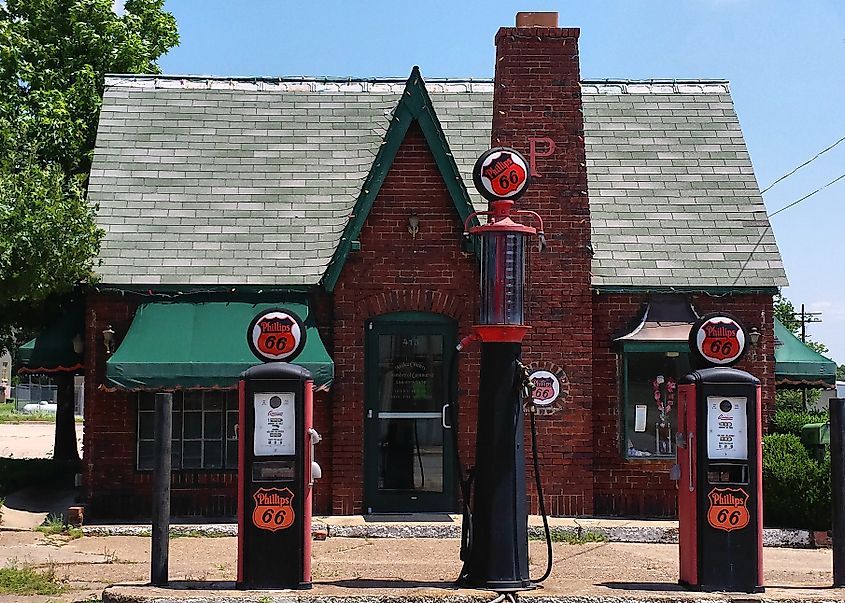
(276, 467)
(495, 543)
(720, 491)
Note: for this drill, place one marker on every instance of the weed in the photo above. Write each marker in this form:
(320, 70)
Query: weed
(578, 537)
(26, 580)
(265, 599)
(109, 556)
(54, 524)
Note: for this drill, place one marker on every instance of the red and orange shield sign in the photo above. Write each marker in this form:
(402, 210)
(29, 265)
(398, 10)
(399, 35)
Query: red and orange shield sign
(276, 336)
(728, 509)
(273, 509)
(505, 174)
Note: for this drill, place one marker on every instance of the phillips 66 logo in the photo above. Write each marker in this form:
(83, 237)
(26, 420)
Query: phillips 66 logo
(718, 339)
(273, 509)
(501, 173)
(276, 334)
(728, 509)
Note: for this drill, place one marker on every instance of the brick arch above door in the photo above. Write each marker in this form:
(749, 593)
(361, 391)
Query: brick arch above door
(436, 301)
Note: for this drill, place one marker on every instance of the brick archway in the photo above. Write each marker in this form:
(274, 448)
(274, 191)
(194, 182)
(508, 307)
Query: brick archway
(416, 300)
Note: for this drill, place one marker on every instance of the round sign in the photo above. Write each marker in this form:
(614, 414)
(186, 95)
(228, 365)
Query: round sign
(501, 173)
(276, 334)
(718, 339)
(546, 387)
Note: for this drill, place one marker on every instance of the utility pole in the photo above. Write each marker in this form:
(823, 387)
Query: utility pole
(806, 318)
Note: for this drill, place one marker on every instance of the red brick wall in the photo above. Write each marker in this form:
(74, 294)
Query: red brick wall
(642, 487)
(394, 272)
(538, 95)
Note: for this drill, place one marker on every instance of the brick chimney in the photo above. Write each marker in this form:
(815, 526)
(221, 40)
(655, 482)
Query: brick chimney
(537, 110)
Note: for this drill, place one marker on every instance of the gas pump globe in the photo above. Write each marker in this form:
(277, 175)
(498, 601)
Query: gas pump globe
(495, 528)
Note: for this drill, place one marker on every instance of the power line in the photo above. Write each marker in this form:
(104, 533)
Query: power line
(809, 161)
(769, 226)
(807, 196)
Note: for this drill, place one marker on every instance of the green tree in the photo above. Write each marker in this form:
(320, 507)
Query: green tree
(54, 55)
(840, 372)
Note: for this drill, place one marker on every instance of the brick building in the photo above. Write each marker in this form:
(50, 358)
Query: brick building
(346, 200)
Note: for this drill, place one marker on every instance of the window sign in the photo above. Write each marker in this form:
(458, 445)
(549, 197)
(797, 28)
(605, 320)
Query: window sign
(726, 428)
(275, 430)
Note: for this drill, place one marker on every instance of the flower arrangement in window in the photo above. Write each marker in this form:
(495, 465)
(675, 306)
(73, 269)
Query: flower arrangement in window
(664, 395)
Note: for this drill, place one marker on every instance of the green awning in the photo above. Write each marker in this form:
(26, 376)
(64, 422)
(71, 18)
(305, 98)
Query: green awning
(201, 346)
(796, 365)
(52, 351)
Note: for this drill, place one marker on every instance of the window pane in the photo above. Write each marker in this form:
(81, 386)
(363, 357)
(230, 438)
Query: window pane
(146, 454)
(177, 426)
(213, 401)
(193, 401)
(176, 455)
(651, 412)
(192, 425)
(232, 454)
(231, 422)
(213, 454)
(192, 455)
(232, 400)
(213, 426)
(146, 425)
(146, 401)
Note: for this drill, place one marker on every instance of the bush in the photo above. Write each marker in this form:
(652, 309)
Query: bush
(791, 421)
(796, 489)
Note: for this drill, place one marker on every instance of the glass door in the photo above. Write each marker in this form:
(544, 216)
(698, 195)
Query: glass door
(408, 448)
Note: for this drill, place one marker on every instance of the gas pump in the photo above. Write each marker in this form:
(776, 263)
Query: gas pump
(720, 492)
(276, 466)
(495, 543)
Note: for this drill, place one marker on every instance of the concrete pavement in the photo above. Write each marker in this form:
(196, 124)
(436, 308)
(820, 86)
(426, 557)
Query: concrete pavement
(31, 439)
(363, 570)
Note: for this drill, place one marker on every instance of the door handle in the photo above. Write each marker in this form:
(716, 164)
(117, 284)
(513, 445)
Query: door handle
(690, 452)
(443, 417)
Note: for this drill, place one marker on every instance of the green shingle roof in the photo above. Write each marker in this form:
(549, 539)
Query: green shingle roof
(205, 181)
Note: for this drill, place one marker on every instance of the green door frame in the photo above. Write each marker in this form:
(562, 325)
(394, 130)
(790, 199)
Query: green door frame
(405, 501)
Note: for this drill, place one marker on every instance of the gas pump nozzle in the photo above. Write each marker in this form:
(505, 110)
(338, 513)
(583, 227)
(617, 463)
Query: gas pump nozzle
(316, 471)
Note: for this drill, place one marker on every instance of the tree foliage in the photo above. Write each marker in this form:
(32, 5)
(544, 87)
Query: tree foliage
(54, 55)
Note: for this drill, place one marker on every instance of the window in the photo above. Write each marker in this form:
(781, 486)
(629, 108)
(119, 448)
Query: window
(650, 399)
(203, 430)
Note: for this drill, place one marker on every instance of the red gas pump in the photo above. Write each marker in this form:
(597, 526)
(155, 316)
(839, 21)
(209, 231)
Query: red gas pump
(720, 491)
(276, 467)
(495, 544)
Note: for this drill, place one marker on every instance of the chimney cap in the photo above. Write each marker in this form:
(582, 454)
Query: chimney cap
(537, 19)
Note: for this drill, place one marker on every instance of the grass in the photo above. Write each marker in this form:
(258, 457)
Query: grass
(8, 414)
(54, 524)
(26, 580)
(578, 537)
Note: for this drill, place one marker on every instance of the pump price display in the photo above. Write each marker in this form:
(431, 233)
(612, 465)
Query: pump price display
(727, 428)
(275, 427)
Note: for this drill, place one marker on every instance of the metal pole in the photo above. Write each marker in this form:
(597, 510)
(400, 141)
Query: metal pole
(161, 489)
(837, 487)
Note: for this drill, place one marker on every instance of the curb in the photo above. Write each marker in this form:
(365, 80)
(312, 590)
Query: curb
(772, 537)
(413, 595)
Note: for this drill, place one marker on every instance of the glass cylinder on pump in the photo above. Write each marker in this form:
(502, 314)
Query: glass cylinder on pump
(502, 277)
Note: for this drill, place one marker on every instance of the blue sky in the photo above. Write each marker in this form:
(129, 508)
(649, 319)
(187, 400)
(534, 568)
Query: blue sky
(785, 61)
